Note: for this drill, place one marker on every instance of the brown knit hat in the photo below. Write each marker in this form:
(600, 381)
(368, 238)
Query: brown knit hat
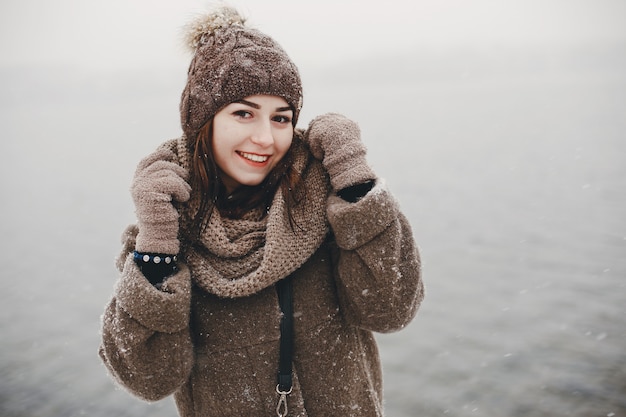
(231, 62)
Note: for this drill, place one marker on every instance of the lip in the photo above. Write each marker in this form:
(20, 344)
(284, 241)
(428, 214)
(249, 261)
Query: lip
(254, 159)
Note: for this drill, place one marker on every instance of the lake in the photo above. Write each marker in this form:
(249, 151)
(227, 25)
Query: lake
(510, 165)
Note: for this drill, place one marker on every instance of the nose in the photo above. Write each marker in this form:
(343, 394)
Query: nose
(263, 135)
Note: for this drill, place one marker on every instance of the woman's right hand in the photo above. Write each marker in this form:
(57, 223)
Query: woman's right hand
(158, 182)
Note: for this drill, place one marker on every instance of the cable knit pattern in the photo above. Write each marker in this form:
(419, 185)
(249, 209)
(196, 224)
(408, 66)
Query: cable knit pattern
(232, 61)
(210, 334)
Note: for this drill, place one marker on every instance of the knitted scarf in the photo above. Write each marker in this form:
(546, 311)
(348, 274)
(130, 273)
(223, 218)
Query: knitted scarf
(237, 258)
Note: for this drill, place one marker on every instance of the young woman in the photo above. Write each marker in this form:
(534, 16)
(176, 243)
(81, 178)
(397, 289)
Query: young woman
(264, 256)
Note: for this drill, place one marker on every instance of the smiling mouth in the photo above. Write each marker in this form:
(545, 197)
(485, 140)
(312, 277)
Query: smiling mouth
(253, 157)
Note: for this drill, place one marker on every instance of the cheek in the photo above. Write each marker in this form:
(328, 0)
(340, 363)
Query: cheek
(223, 141)
(218, 148)
(283, 142)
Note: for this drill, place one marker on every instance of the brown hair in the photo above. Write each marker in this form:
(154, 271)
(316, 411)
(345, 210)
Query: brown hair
(205, 179)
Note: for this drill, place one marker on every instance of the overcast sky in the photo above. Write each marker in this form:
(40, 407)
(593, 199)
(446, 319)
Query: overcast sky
(133, 33)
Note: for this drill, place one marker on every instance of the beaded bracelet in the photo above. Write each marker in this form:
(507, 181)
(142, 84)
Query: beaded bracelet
(155, 258)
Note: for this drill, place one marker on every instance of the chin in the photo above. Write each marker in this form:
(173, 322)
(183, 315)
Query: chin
(253, 182)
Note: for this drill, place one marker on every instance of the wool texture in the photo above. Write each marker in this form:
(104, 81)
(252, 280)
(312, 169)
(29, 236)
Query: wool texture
(232, 61)
(159, 182)
(237, 258)
(336, 141)
(210, 333)
(217, 351)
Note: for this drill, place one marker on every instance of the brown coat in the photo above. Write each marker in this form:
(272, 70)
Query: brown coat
(219, 355)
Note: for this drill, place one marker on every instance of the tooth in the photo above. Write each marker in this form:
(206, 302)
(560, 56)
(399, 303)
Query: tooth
(255, 158)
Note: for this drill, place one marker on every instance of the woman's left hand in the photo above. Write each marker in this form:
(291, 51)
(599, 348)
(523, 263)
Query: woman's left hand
(336, 141)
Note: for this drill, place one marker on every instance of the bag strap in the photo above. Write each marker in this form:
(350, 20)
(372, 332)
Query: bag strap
(285, 371)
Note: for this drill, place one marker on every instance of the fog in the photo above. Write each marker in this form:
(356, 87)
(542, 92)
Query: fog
(146, 34)
(498, 125)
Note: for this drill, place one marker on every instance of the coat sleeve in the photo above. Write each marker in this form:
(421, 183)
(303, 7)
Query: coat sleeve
(146, 342)
(378, 264)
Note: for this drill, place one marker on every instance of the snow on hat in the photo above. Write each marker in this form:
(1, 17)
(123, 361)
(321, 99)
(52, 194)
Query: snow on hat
(232, 61)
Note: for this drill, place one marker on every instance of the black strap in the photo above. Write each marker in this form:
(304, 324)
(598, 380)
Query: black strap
(285, 299)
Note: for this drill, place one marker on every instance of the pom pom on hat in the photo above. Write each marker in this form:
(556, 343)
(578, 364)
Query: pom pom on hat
(230, 62)
(196, 32)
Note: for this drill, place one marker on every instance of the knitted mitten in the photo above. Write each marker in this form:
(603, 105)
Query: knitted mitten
(159, 181)
(336, 141)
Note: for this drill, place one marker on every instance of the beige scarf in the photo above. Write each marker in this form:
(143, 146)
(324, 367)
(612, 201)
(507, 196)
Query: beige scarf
(238, 258)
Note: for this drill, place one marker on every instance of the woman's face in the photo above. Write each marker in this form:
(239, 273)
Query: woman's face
(250, 137)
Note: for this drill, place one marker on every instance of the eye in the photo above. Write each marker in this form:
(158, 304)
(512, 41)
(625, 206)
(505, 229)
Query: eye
(282, 119)
(244, 114)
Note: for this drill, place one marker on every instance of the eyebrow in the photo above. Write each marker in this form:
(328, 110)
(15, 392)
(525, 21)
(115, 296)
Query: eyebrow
(256, 106)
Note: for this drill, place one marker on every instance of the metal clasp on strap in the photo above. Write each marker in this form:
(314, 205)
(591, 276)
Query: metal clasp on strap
(281, 408)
